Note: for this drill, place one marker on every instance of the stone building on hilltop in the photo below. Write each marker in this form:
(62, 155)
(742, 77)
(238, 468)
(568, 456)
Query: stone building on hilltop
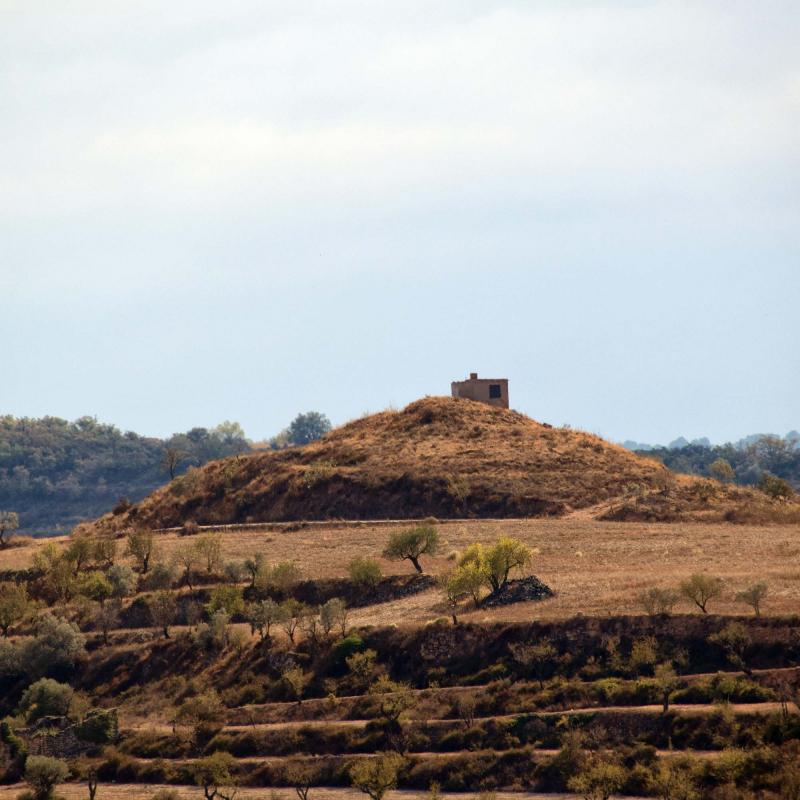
(492, 391)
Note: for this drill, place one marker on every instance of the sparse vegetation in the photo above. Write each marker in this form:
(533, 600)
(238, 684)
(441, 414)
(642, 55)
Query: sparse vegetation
(775, 487)
(318, 687)
(700, 589)
(754, 596)
(373, 466)
(658, 602)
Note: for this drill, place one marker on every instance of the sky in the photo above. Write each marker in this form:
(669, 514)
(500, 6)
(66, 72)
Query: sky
(248, 209)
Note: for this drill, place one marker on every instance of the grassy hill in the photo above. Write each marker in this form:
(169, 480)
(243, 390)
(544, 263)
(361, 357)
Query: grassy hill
(437, 457)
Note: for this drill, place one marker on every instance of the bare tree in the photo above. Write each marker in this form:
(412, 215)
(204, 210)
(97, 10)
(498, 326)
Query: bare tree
(171, 459)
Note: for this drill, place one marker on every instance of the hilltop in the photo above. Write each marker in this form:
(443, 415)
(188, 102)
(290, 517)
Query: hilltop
(439, 457)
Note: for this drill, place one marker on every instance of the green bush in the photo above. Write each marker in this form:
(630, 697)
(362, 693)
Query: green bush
(364, 572)
(42, 774)
(98, 727)
(15, 744)
(344, 648)
(46, 698)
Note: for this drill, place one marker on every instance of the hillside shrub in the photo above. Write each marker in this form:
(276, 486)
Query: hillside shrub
(98, 727)
(225, 598)
(43, 774)
(657, 602)
(344, 648)
(46, 698)
(161, 576)
(122, 580)
(58, 644)
(775, 487)
(364, 572)
(16, 746)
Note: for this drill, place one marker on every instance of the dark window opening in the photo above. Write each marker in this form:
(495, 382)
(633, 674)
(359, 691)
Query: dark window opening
(494, 391)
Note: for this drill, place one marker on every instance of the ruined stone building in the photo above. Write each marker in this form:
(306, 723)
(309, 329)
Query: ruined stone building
(493, 391)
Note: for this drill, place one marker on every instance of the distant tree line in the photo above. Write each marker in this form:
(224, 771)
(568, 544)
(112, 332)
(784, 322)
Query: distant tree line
(304, 428)
(55, 473)
(744, 463)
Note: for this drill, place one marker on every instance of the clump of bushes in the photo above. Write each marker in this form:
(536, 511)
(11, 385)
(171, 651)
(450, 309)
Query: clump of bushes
(364, 572)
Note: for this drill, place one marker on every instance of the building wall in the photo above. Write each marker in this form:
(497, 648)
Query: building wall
(480, 389)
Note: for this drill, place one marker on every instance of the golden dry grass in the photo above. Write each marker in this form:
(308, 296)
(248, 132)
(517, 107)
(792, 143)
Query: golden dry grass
(442, 457)
(596, 568)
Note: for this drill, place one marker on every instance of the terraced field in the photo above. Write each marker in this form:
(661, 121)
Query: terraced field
(521, 700)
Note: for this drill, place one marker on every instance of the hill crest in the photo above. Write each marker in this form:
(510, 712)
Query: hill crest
(438, 456)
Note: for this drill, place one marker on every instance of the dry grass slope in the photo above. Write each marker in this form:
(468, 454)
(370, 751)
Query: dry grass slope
(438, 457)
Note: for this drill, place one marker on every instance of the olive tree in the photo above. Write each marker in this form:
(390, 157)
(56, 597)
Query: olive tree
(58, 644)
(122, 580)
(537, 660)
(301, 778)
(46, 698)
(209, 550)
(734, 639)
(666, 679)
(701, 588)
(296, 680)
(657, 602)
(598, 781)
(673, 779)
(141, 545)
(108, 616)
(43, 774)
(214, 775)
(263, 615)
(163, 608)
(79, 551)
(413, 543)
(333, 615)
(376, 776)
(496, 563)
(754, 596)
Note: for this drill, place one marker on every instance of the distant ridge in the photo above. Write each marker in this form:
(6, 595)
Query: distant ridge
(440, 457)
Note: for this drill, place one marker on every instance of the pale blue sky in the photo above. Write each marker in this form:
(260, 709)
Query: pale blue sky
(244, 210)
